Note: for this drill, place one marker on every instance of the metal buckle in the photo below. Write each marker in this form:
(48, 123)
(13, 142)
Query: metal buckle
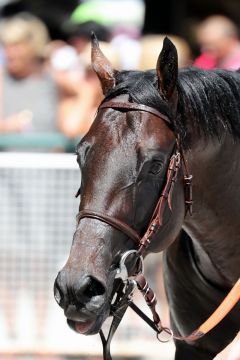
(130, 288)
(122, 271)
(165, 335)
(125, 297)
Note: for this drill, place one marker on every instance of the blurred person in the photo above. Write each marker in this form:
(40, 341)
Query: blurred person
(219, 44)
(28, 96)
(110, 13)
(150, 45)
(64, 62)
(64, 65)
(28, 103)
(126, 40)
(78, 111)
(80, 36)
(111, 23)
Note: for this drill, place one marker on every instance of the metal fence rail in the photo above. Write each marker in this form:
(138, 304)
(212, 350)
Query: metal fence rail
(47, 141)
(37, 221)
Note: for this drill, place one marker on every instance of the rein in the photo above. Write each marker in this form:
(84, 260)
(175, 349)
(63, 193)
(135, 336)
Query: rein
(125, 284)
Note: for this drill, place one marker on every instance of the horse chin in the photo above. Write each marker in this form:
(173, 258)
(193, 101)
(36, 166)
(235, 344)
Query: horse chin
(88, 327)
(85, 328)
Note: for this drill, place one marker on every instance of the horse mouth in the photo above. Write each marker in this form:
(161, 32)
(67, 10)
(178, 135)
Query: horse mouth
(88, 320)
(84, 327)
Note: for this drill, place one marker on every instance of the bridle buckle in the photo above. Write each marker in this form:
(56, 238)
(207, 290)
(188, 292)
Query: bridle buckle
(165, 335)
(122, 271)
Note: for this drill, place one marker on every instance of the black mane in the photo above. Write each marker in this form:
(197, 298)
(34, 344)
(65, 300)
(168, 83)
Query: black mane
(209, 100)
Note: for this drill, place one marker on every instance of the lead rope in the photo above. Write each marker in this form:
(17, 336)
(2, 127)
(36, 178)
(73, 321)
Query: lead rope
(222, 310)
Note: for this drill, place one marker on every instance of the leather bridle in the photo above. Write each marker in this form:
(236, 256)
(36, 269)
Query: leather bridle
(124, 291)
(166, 195)
(124, 287)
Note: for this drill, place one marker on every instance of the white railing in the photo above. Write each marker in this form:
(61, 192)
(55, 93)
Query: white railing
(37, 221)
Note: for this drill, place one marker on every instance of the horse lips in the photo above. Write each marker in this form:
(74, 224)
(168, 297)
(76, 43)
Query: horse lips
(83, 327)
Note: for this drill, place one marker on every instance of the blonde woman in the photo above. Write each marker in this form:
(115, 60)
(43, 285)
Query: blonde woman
(28, 94)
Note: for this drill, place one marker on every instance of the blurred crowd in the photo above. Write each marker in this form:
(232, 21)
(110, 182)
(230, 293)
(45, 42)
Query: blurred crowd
(48, 86)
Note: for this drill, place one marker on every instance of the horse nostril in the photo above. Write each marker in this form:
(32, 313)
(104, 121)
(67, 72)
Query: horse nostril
(58, 294)
(91, 287)
(78, 292)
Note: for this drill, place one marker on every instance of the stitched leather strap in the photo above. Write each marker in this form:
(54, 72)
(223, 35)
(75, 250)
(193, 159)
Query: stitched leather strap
(165, 198)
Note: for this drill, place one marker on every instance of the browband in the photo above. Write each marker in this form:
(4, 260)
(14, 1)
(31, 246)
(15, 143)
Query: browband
(134, 106)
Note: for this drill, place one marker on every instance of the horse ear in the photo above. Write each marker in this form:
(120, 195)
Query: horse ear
(102, 66)
(167, 69)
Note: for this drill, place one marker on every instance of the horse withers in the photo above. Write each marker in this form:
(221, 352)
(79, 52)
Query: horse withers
(145, 119)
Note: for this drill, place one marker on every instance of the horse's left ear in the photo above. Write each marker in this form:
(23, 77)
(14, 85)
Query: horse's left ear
(167, 69)
(102, 66)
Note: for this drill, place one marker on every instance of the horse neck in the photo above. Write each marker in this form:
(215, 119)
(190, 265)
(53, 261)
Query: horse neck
(214, 227)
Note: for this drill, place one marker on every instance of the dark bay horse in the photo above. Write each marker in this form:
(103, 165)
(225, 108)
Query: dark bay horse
(124, 160)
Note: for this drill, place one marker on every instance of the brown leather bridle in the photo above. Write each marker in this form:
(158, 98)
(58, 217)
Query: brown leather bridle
(123, 292)
(166, 195)
(142, 242)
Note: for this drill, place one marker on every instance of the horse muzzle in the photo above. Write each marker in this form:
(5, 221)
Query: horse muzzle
(84, 302)
(87, 325)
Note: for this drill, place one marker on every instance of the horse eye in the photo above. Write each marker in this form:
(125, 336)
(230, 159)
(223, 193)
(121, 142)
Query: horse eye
(156, 167)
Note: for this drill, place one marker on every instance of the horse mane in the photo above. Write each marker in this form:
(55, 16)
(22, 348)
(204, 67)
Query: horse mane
(208, 100)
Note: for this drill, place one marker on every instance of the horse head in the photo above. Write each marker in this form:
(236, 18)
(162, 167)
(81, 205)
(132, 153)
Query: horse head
(124, 161)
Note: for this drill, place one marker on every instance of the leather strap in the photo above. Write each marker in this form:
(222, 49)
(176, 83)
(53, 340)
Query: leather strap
(134, 106)
(223, 309)
(233, 296)
(116, 223)
(187, 183)
(142, 242)
(165, 198)
(214, 319)
(150, 298)
(118, 310)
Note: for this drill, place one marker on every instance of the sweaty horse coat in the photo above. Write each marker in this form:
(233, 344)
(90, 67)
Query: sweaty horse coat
(124, 159)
